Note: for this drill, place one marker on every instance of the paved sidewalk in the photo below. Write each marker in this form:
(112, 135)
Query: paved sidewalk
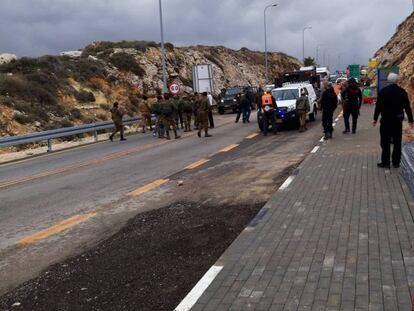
(339, 237)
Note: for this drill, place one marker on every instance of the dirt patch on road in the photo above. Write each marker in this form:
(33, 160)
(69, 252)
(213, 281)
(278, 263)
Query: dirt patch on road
(155, 260)
(151, 264)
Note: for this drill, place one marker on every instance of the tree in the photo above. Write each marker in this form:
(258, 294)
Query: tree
(309, 61)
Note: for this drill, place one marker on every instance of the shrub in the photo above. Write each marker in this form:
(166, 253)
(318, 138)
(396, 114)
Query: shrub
(23, 119)
(108, 47)
(169, 46)
(102, 116)
(127, 62)
(85, 69)
(84, 96)
(33, 110)
(106, 107)
(7, 101)
(75, 113)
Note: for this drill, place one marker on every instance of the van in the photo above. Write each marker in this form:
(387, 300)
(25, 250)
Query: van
(286, 97)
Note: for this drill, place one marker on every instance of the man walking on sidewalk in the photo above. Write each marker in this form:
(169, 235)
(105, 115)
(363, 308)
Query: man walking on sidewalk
(391, 104)
(353, 98)
(329, 102)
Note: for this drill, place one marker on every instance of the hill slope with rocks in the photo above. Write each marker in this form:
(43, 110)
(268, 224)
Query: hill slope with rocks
(399, 51)
(58, 91)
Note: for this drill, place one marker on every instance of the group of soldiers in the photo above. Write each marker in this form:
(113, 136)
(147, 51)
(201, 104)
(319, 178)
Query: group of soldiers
(170, 113)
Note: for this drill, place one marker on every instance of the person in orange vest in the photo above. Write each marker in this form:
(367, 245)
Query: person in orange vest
(269, 109)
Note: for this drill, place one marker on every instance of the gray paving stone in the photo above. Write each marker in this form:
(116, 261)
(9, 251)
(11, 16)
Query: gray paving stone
(340, 238)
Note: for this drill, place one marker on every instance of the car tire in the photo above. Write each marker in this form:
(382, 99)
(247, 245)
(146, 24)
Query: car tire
(221, 111)
(312, 116)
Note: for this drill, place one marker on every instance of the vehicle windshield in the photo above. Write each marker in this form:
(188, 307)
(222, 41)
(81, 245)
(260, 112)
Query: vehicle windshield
(286, 94)
(232, 92)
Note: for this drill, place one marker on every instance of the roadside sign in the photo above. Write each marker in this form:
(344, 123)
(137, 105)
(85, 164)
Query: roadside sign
(174, 88)
(372, 63)
(383, 76)
(354, 71)
(203, 78)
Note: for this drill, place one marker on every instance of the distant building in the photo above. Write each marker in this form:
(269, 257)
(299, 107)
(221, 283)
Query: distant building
(71, 53)
(7, 58)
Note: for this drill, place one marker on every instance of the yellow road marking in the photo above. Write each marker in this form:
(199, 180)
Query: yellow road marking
(64, 225)
(87, 163)
(148, 187)
(196, 164)
(252, 136)
(230, 147)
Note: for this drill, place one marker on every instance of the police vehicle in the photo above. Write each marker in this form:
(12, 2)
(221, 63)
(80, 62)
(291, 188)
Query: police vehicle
(286, 97)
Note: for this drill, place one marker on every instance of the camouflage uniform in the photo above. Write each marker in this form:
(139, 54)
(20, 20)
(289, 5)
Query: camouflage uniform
(169, 108)
(187, 108)
(203, 110)
(196, 104)
(117, 114)
(144, 110)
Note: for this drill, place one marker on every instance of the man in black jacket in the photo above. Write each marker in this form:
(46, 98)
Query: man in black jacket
(391, 104)
(352, 96)
(329, 102)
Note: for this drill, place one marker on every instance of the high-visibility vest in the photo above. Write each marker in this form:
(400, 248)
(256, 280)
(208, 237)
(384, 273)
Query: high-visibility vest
(267, 100)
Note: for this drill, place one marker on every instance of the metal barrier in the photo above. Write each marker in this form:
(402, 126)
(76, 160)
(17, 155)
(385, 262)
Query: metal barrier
(11, 141)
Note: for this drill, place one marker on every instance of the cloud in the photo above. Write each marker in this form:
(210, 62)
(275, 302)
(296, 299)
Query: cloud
(349, 31)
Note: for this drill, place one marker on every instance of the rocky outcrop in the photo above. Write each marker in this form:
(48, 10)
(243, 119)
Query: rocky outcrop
(55, 91)
(399, 51)
(7, 58)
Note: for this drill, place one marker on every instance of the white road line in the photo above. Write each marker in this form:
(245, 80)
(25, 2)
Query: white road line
(315, 149)
(287, 183)
(337, 119)
(334, 124)
(190, 300)
(322, 140)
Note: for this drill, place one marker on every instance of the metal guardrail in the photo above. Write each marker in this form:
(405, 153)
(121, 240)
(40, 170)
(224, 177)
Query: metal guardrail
(11, 141)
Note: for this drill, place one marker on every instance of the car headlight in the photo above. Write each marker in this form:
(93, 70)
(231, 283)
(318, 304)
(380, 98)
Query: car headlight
(234, 99)
(291, 108)
(222, 101)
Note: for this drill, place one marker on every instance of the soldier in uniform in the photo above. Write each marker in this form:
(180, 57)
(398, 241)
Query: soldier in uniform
(144, 110)
(187, 108)
(156, 110)
(196, 104)
(169, 109)
(203, 110)
(117, 114)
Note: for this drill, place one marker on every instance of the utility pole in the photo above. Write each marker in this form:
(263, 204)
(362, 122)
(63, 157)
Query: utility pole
(317, 52)
(265, 36)
(303, 41)
(164, 66)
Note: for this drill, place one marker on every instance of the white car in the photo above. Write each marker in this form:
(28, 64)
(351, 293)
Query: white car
(286, 97)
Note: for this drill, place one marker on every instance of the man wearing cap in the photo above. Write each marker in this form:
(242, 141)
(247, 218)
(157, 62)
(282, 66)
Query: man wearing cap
(391, 104)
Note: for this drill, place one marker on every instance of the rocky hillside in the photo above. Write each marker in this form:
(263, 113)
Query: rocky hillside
(399, 51)
(56, 91)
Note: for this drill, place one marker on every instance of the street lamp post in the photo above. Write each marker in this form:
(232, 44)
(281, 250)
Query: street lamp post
(303, 41)
(164, 66)
(317, 53)
(324, 57)
(265, 35)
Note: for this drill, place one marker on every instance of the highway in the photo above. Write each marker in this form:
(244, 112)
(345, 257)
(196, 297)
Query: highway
(56, 205)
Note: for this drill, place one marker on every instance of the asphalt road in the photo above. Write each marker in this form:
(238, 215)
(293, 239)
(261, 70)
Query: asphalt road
(43, 196)
(75, 184)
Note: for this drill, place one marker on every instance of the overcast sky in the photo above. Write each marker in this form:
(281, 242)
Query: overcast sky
(354, 29)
